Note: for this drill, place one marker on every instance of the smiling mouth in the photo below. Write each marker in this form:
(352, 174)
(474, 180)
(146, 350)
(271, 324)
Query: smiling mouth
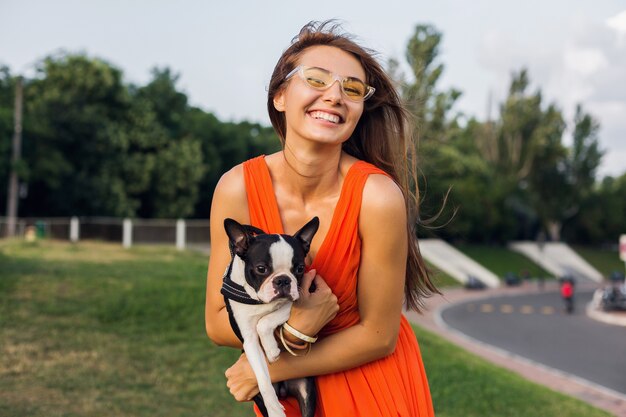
(320, 115)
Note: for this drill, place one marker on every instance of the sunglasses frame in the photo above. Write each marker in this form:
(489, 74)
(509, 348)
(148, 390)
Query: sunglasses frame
(369, 90)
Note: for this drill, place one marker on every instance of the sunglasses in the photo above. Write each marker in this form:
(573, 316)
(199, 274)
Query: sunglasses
(321, 79)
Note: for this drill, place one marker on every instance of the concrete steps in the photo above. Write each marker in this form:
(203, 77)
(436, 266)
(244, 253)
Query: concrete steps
(455, 263)
(558, 259)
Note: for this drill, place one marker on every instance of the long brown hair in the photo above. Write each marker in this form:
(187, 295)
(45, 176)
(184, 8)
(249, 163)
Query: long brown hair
(382, 137)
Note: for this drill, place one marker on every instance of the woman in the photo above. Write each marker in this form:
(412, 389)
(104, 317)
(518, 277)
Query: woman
(345, 138)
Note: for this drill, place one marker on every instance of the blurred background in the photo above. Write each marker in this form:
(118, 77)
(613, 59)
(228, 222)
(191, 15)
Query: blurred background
(136, 108)
(118, 118)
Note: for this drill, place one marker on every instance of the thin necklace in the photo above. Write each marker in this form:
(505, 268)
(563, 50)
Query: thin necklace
(291, 166)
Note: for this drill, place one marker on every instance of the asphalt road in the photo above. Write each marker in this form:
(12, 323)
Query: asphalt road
(535, 326)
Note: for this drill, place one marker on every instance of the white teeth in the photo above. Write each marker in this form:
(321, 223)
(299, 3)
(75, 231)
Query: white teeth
(325, 116)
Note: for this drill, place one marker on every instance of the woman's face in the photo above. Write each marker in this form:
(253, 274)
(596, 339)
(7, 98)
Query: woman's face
(322, 116)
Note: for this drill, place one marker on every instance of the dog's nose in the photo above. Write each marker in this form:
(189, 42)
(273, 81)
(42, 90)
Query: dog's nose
(282, 281)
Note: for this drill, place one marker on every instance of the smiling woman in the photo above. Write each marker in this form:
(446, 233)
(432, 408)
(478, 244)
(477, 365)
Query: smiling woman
(346, 160)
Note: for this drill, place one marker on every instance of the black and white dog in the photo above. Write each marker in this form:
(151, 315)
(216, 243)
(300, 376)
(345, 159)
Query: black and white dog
(261, 283)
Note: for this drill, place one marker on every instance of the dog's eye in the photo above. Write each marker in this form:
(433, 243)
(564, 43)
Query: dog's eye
(300, 269)
(261, 269)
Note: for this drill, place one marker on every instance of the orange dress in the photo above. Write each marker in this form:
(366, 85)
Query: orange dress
(393, 386)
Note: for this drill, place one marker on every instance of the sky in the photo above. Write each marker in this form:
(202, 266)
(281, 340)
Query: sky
(224, 51)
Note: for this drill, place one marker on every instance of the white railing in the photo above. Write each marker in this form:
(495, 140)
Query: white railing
(181, 233)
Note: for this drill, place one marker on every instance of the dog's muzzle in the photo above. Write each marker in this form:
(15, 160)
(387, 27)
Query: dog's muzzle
(279, 286)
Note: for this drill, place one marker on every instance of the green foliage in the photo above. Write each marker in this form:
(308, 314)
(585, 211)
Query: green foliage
(94, 146)
(507, 179)
(224, 146)
(602, 214)
(74, 122)
(430, 106)
(605, 260)
(7, 97)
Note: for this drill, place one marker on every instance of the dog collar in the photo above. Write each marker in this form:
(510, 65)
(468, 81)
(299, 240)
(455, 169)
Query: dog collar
(236, 292)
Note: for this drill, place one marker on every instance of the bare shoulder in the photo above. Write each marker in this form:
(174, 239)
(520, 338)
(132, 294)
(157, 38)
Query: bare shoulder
(383, 211)
(232, 181)
(382, 196)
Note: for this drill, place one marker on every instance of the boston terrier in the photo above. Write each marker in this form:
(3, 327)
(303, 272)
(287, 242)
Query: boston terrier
(260, 284)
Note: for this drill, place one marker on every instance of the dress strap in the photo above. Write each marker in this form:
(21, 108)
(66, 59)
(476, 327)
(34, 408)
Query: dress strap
(345, 221)
(262, 203)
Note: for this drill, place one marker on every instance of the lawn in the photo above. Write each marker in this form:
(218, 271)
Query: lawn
(92, 330)
(604, 260)
(440, 278)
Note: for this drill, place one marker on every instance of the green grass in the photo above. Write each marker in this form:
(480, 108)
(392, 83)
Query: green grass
(604, 260)
(501, 260)
(441, 279)
(93, 330)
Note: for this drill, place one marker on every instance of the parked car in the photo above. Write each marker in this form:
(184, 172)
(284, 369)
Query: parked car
(512, 280)
(474, 283)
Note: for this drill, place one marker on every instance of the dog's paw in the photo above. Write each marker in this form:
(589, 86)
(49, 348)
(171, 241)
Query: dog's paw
(275, 410)
(272, 354)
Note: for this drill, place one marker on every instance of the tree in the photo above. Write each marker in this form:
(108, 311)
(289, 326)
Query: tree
(178, 163)
(585, 154)
(75, 114)
(430, 106)
(524, 147)
(436, 125)
(564, 177)
(225, 145)
(178, 171)
(519, 131)
(168, 104)
(97, 147)
(7, 94)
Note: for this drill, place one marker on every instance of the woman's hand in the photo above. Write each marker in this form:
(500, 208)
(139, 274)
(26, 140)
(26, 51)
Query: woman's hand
(241, 380)
(313, 309)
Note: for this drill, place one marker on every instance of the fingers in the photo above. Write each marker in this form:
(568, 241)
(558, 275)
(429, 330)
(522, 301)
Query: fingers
(320, 283)
(239, 390)
(241, 386)
(307, 280)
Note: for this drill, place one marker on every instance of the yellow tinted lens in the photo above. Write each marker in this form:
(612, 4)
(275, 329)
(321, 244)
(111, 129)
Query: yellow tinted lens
(317, 77)
(353, 87)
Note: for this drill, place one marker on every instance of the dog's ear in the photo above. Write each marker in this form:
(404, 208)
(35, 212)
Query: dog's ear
(305, 235)
(238, 236)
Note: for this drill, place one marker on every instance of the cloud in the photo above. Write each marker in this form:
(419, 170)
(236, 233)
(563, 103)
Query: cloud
(587, 66)
(585, 61)
(618, 24)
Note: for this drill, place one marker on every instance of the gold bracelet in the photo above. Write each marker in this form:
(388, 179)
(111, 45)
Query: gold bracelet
(282, 339)
(297, 346)
(298, 334)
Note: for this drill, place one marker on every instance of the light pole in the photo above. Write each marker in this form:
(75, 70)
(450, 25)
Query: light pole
(12, 194)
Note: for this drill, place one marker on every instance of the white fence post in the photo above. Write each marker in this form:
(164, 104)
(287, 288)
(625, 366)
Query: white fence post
(127, 233)
(74, 229)
(180, 234)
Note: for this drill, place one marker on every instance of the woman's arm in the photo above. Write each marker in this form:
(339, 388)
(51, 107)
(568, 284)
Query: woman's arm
(229, 200)
(381, 276)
